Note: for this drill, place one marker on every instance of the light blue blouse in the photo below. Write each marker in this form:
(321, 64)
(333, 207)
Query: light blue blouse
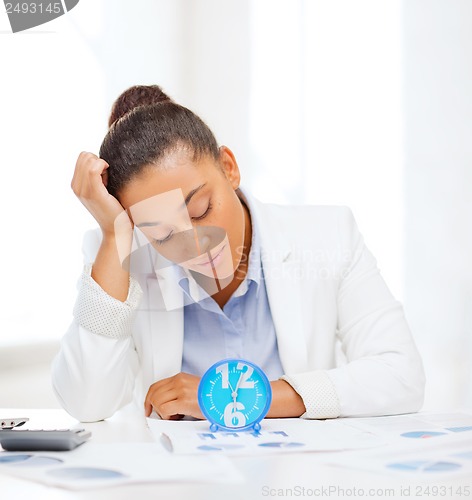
(242, 329)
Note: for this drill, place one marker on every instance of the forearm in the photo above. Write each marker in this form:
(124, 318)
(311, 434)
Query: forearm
(286, 402)
(107, 270)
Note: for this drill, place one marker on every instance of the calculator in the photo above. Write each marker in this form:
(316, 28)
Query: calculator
(42, 440)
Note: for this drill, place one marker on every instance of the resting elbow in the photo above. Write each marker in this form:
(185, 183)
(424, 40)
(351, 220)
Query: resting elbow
(84, 408)
(412, 388)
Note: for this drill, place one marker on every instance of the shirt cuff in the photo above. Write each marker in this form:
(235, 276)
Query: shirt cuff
(101, 313)
(317, 392)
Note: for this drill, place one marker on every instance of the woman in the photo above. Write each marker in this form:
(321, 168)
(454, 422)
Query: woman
(186, 269)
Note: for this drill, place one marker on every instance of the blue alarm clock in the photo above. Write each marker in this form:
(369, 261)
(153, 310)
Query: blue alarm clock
(234, 395)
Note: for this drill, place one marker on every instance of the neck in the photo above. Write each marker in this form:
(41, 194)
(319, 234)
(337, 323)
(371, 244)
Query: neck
(241, 270)
(227, 289)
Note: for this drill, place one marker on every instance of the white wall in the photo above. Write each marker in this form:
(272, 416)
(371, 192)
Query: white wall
(437, 55)
(25, 380)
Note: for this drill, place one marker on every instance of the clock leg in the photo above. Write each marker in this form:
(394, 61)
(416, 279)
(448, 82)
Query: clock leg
(256, 427)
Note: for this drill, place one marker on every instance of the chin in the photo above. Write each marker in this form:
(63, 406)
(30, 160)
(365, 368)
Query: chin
(221, 270)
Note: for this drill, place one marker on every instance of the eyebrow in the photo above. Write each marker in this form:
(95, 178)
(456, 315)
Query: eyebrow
(186, 202)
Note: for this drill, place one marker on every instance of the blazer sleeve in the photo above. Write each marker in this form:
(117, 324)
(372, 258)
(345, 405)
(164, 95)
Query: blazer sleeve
(383, 373)
(94, 371)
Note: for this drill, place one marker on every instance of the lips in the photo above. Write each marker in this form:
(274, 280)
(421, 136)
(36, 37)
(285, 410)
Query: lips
(214, 260)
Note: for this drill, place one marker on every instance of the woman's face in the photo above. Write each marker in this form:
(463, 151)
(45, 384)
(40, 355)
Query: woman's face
(189, 211)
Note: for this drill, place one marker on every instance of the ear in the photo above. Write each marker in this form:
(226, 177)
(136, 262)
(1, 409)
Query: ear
(230, 167)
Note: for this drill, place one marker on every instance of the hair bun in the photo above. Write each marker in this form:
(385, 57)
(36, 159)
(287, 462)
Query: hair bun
(138, 95)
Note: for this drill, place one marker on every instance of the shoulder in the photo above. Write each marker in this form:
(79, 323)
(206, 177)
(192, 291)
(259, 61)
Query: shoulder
(330, 218)
(324, 228)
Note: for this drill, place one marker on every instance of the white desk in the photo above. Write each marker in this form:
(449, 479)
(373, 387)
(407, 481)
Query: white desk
(265, 476)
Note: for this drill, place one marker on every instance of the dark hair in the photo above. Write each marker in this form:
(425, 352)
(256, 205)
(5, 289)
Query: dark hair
(144, 134)
(138, 95)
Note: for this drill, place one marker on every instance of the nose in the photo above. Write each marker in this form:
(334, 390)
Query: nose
(207, 238)
(203, 242)
(191, 243)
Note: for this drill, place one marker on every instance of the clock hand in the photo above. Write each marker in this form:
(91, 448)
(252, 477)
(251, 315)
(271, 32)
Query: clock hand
(239, 381)
(234, 393)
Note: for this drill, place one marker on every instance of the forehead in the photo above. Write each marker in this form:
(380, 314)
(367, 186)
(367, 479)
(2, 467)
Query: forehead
(165, 204)
(170, 180)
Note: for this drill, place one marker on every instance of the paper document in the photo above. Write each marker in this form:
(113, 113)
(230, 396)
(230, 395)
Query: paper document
(415, 426)
(276, 436)
(427, 458)
(95, 465)
(422, 445)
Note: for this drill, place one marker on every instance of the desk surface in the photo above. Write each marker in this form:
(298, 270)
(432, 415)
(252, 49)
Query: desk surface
(276, 476)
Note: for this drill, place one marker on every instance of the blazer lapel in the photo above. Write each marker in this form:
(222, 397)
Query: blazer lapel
(284, 289)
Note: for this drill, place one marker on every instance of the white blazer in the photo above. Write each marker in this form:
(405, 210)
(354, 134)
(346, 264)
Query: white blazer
(343, 340)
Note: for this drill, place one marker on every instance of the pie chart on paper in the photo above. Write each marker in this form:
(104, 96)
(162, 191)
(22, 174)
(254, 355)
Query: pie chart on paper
(422, 434)
(425, 466)
(281, 444)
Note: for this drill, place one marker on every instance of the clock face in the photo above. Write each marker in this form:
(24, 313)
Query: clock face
(234, 394)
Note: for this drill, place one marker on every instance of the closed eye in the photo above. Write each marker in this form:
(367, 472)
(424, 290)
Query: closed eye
(167, 238)
(204, 213)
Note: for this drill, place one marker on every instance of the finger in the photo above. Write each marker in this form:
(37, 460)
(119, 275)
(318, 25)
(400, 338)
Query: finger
(169, 410)
(79, 164)
(162, 396)
(165, 382)
(150, 398)
(147, 408)
(185, 404)
(182, 387)
(88, 170)
(178, 416)
(105, 177)
(97, 166)
(155, 398)
(93, 177)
